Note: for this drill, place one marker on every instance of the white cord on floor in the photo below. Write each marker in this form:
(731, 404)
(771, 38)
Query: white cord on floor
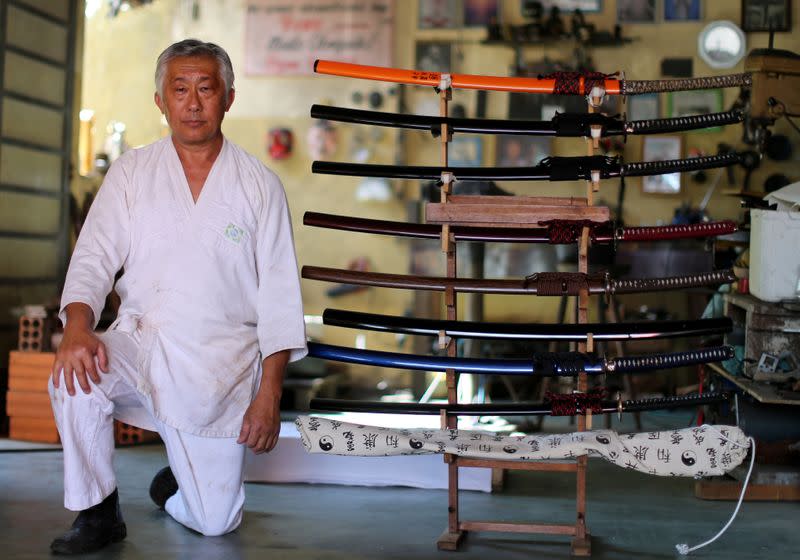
(684, 548)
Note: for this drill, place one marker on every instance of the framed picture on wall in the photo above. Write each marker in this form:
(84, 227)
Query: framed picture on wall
(438, 14)
(661, 148)
(766, 15)
(465, 151)
(699, 102)
(643, 107)
(479, 13)
(569, 6)
(681, 10)
(433, 56)
(636, 11)
(521, 151)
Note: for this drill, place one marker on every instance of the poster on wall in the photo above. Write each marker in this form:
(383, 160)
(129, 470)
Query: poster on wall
(285, 37)
(569, 6)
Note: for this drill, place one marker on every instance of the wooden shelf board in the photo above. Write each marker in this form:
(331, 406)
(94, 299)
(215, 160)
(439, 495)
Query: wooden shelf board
(762, 392)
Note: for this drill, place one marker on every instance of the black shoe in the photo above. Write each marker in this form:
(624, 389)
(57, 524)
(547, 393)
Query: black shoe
(93, 529)
(163, 487)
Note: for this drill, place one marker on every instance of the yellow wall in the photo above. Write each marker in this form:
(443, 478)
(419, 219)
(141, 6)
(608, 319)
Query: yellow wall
(118, 85)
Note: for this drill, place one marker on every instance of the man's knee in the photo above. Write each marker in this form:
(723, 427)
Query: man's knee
(58, 395)
(96, 401)
(220, 526)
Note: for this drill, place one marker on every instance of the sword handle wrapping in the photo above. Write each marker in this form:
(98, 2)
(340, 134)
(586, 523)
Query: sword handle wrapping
(637, 87)
(684, 231)
(634, 285)
(662, 403)
(635, 364)
(679, 124)
(642, 168)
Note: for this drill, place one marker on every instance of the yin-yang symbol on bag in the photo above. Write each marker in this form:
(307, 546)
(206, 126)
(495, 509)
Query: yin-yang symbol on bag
(326, 443)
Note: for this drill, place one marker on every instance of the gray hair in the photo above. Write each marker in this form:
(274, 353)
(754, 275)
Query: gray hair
(193, 47)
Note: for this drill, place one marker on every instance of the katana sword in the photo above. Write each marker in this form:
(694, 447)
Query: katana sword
(563, 124)
(563, 83)
(540, 284)
(545, 364)
(555, 232)
(526, 331)
(582, 403)
(590, 168)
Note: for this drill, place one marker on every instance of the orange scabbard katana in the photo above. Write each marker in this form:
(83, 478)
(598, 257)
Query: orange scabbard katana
(574, 83)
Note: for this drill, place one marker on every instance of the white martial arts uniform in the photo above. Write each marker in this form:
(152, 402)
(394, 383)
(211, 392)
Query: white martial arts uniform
(209, 289)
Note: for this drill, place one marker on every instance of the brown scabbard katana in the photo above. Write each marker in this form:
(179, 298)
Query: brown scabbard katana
(555, 231)
(564, 83)
(540, 284)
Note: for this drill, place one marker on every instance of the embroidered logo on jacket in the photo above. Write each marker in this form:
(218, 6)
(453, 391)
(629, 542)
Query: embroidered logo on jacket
(234, 233)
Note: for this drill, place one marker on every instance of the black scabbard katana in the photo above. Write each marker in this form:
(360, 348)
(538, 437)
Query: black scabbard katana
(549, 169)
(540, 284)
(598, 406)
(546, 364)
(556, 232)
(563, 124)
(526, 331)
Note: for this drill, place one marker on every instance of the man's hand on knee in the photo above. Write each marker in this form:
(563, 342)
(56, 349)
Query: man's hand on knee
(81, 356)
(80, 352)
(261, 424)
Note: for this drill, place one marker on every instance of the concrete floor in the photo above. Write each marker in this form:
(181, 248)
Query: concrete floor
(630, 515)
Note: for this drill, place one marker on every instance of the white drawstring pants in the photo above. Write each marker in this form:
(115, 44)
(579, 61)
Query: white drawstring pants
(209, 470)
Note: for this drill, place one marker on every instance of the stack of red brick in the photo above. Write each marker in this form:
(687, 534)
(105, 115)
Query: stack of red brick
(28, 402)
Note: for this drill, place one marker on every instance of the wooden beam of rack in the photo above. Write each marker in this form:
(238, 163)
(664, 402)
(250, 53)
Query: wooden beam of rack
(548, 466)
(513, 527)
(509, 214)
(520, 200)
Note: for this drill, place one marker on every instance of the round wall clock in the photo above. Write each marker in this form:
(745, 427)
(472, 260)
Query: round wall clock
(721, 44)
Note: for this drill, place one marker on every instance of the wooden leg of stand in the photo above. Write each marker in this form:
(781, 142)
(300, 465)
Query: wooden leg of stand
(498, 479)
(581, 543)
(452, 536)
(582, 546)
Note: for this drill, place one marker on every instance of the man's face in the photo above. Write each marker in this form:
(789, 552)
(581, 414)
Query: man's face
(194, 100)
